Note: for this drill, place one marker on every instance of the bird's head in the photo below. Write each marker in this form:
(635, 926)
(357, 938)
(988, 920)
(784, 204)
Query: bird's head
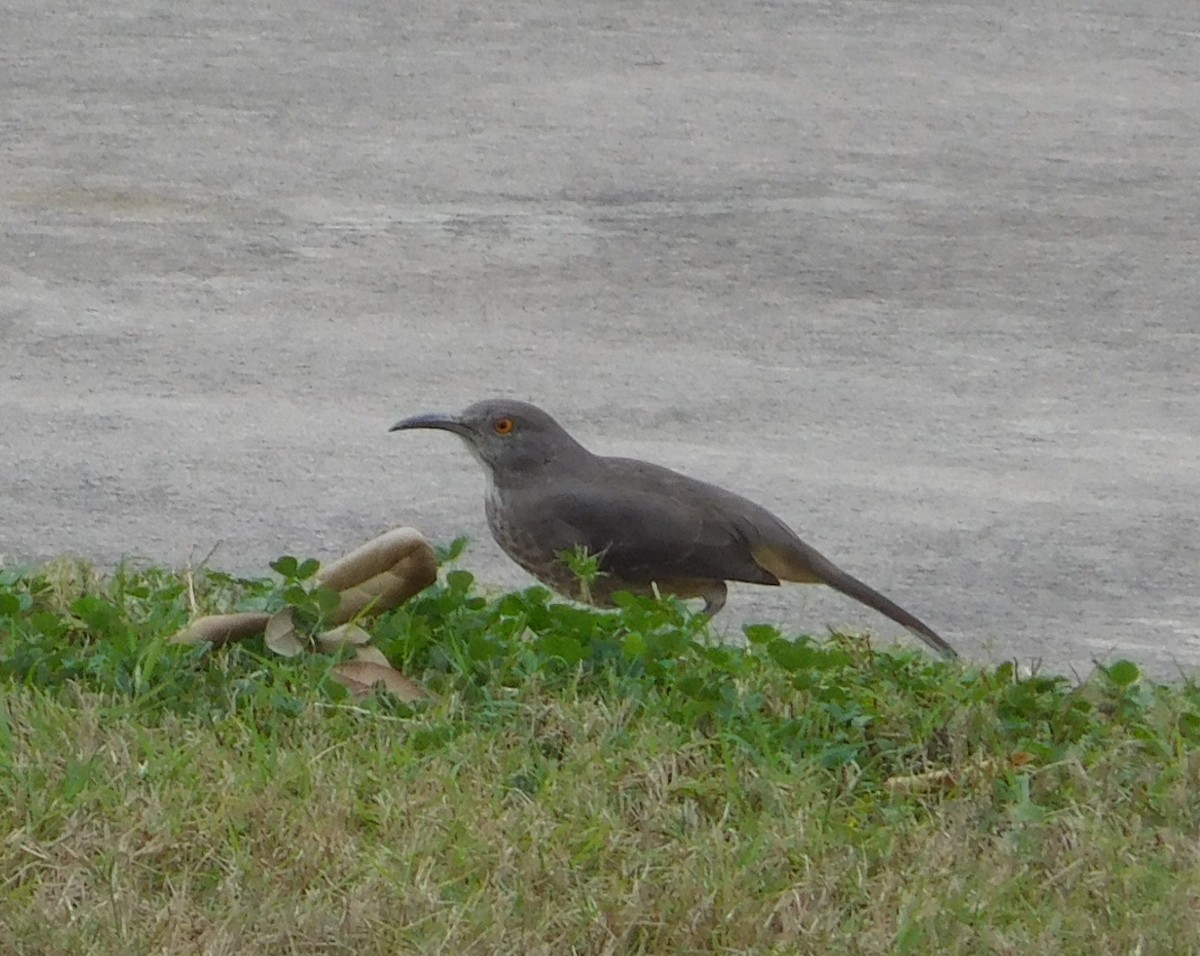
(509, 438)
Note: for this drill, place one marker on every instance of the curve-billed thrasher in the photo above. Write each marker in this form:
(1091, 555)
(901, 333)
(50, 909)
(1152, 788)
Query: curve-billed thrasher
(648, 525)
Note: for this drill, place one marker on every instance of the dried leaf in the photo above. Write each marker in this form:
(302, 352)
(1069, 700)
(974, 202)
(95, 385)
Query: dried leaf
(922, 782)
(371, 655)
(281, 635)
(378, 594)
(361, 677)
(221, 629)
(384, 553)
(339, 637)
(382, 574)
(942, 779)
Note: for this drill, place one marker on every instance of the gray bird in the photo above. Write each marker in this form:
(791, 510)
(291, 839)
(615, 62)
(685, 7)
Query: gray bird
(648, 526)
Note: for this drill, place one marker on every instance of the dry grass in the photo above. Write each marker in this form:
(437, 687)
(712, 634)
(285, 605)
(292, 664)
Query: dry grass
(556, 826)
(583, 784)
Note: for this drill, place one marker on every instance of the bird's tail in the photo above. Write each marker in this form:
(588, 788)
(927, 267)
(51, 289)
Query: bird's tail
(807, 565)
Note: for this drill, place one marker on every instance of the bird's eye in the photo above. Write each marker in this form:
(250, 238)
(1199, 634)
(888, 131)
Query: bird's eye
(503, 426)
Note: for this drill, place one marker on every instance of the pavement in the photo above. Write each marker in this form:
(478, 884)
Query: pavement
(921, 277)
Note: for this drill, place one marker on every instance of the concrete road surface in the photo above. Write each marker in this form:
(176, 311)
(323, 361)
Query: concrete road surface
(923, 277)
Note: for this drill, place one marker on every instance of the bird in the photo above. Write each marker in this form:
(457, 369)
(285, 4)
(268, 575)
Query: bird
(648, 526)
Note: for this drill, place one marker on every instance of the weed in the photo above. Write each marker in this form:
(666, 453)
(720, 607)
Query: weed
(603, 782)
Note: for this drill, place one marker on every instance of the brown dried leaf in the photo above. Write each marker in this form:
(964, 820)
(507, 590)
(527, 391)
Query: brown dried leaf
(361, 677)
(381, 574)
(378, 594)
(337, 638)
(371, 655)
(281, 635)
(376, 556)
(221, 629)
(942, 779)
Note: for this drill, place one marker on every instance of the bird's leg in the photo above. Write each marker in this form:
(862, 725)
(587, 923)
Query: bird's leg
(714, 598)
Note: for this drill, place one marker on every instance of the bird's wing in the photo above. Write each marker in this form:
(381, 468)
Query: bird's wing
(653, 525)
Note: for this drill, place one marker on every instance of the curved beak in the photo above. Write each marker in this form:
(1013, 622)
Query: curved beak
(447, 423)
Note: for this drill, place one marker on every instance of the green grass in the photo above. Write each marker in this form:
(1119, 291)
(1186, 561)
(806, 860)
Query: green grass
(583, 782)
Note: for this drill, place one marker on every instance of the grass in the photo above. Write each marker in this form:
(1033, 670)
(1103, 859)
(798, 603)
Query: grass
(583, 782)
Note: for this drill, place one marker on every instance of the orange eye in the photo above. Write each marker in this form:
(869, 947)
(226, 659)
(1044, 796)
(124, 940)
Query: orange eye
(503, 426)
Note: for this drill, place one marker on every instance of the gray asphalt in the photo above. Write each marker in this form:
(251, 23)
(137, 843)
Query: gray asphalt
(921, 277)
